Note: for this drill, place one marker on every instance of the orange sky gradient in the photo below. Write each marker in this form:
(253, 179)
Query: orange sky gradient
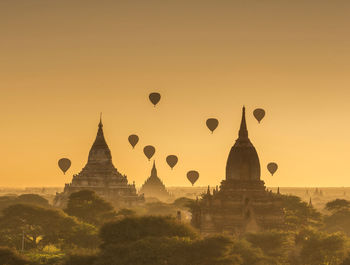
(64, 62)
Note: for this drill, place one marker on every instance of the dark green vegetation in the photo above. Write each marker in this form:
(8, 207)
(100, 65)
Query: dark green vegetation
(10, 257)
(91, 232)
(89, 208)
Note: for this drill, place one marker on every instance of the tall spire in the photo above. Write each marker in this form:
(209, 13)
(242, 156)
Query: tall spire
(100, 125)
(310, 202)
(208, 190)
(154, 170)
(99, 150)
(243, 132)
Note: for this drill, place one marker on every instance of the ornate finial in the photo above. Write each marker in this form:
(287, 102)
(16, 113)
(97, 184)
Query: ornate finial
(100, 124)
(154, 170)
(243, 132)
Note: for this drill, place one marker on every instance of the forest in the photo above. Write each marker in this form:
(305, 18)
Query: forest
(90, 231)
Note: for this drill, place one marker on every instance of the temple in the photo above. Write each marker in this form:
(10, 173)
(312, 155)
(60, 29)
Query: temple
(242, 203)
(100, 175)
(154, 187)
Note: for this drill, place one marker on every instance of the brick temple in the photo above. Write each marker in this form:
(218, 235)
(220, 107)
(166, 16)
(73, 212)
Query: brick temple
(100, 176)
(154, 187)
(242, 203)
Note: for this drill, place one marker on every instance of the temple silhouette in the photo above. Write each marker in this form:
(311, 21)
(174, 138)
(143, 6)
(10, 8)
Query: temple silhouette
(100, 176)
(154, 187)
(242, 204)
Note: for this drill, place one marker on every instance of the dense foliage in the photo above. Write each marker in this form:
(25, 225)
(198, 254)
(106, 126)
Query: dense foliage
(299, 214)
(39, 226)
(33, 199)
(87, 206)
(135, 228)
(10, 257)
(91, 232)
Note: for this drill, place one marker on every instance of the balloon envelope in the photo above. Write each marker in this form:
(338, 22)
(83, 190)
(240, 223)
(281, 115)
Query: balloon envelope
(154, 98)
(192, 176)
(149, 151)
(133, 140)
(212, 124)
(171, 160)
(272, 167)
(64, 164)
(259, 114)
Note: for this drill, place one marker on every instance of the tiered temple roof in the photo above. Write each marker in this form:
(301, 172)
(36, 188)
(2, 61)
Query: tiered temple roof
(154, 187)
(100, 175)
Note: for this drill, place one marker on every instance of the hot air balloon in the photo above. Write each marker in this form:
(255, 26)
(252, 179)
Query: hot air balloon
(64, 164)
(171, 160)
(272, 167)
(212, 124)
(192, 176)
(133, 140)
(259, 114)
(149, 151)
(154, 98)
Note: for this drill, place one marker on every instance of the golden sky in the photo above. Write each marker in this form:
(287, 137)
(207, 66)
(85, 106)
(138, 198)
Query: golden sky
(63, 62)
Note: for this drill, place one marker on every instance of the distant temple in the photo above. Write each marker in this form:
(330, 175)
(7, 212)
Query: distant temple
(242, 204)
(154, 187)
(100, 175)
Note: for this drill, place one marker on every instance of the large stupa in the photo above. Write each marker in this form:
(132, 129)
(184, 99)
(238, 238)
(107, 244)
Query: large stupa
(100, 176)
(242, 203)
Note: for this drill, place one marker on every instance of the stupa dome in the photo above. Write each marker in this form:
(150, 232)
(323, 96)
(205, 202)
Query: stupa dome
(243, 161)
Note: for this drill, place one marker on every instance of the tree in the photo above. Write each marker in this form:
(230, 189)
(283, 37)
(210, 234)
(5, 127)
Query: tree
(338, 221)
(89, 207)
(212, 250)
(160, 240)
(251, 255)
(42, 226)
(320, 248)
(338, 205)
(170, 251)
(273, 243)
(80, 260)
(126, 212)
(183, 202)
(346, 261)
(9, 257)
(298, 214)
(33, 199)
(135, 228)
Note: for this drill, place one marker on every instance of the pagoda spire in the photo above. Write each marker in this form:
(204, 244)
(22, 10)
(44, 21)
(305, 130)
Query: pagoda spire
(154, 169)
(208, 190)
(100, 125)
(100, 138)
(99, 150)
(243, 132)
(310, 202)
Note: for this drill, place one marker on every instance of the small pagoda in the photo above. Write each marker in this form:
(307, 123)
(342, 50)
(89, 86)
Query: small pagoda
(242, 203)
(154, 187)
(100, 176)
